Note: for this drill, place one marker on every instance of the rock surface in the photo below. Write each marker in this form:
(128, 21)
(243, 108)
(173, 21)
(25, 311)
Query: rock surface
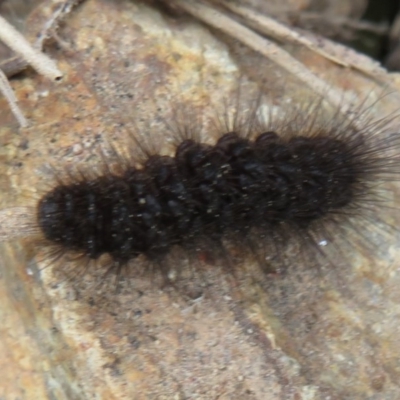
(306, 334)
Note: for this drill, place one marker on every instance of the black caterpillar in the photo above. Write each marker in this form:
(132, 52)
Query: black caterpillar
(271, 187)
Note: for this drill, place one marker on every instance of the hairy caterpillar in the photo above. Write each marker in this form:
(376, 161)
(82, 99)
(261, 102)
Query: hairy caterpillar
(262, 188)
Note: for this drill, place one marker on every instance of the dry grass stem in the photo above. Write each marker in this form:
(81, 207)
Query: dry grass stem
(39, 61)
(8, 93)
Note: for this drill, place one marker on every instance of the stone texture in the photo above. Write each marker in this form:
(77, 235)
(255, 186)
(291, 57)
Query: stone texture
(308, 334)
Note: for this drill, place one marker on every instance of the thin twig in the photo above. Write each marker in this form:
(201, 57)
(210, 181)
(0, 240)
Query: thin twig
(29, 54)
(16, 64)
(13, 65)
(378, 29)
(216, 19)
(39, 61)
(53, 23)
(275, 29)
(8, 93)
(321, 45)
